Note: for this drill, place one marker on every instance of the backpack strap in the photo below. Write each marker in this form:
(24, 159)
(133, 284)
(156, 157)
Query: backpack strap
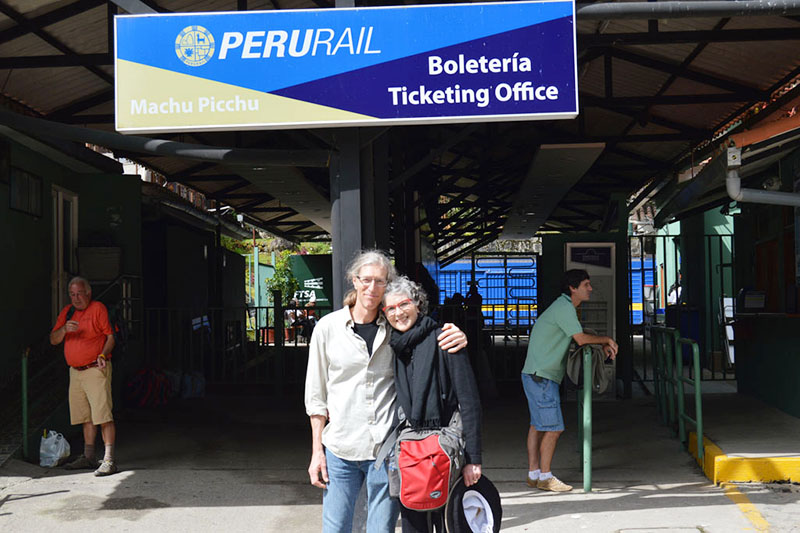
(391, 439)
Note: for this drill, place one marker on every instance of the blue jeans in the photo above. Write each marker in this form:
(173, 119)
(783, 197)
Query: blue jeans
(339, 498)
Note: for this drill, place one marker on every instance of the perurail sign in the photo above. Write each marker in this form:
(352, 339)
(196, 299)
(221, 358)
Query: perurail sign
(345, 67)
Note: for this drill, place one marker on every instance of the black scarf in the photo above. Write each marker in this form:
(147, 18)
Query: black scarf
(416, 381)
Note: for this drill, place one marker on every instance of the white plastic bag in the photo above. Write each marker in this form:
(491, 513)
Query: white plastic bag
(53, 450)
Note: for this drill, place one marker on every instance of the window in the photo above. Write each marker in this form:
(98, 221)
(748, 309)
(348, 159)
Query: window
(25, 192)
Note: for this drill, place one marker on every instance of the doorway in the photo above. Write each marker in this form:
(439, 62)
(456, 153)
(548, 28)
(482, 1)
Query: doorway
(65, 245)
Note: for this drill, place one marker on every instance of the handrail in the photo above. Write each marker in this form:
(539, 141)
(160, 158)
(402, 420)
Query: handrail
(663, 371)
(585, 419)
(698, 397)
(113, 283)
(668, 377)
(31, 383)
(25, 403)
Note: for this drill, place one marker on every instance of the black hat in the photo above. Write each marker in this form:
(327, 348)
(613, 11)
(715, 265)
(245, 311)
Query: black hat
(478, 505)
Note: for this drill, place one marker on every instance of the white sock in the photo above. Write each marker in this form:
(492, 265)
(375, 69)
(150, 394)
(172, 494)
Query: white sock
(545, 476)
(533, 475)
(109, 456)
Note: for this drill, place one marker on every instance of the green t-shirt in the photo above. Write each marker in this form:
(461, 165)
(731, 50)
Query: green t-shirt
(550, 338)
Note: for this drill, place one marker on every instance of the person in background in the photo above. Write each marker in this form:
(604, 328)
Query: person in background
(85, 330)
(544, 369)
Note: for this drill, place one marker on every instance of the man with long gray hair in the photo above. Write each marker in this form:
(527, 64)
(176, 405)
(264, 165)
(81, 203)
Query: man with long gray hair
(88, 338)
(350, 398)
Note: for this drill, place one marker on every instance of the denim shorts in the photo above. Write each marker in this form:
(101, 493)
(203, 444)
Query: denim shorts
(544, 403)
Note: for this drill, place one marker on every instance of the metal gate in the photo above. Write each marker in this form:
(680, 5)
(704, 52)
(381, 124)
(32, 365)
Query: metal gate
(656, 298)
(494, 297)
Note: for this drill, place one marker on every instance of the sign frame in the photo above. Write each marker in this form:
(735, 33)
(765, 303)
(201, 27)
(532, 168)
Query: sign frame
(124, 125)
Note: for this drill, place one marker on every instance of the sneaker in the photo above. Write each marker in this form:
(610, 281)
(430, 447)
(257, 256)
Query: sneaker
(81, 463)
(553, 484)
(532, 483)
(106, 468)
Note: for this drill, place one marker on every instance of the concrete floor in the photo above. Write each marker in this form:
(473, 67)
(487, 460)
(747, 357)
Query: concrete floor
(239, 464)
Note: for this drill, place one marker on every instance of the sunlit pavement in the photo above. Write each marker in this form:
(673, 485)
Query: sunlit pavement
(240, 465)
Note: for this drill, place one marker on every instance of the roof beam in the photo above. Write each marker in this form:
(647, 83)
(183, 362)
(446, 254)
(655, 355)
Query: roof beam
(93, 118)
(56, 61)
(464, 251)
(210, 177)
(225, 195)
(51, 17)
(428, 159)
(270, 210)
(83, 104)
(625, 102)
(644, 117)
(684, 37)
(29, 27)
(137, 7)
(457, 243)
(298, 225)
(683, 72)
(247, 206)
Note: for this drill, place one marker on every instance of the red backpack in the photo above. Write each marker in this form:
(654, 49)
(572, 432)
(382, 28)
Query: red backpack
(428, 463)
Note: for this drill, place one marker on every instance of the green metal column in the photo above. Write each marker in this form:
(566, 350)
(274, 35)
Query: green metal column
(25, 403)
(587, 419)
(698, 402)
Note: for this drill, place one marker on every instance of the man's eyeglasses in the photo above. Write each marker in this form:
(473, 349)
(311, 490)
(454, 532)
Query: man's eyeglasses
(369, 281)
(403, 305)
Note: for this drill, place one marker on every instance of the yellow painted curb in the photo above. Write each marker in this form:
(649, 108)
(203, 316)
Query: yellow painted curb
(721, 468)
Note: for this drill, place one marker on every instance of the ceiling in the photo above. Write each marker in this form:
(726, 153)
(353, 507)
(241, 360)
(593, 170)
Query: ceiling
(655, 97)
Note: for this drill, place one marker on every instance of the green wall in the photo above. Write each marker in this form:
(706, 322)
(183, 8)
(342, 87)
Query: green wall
(27, 243)
(312, 267)
(768, 346)
(768, 360)
(110, 214)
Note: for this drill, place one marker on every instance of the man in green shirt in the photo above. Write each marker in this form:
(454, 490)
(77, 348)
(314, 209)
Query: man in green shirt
(544, 369)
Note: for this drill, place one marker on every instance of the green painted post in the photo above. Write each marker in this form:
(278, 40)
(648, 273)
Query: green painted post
(25, 403)
(655, 341)
(698, 396)
(579, 442)
(587, 419)
(670, 378)
(698, 401)
(256, 281)
(678, 354)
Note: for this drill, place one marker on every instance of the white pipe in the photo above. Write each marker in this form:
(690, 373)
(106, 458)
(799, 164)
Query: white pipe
(683, 9)
(733, 184)
(208, 219)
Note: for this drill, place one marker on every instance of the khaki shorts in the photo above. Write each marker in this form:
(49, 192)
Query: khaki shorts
(90, 395)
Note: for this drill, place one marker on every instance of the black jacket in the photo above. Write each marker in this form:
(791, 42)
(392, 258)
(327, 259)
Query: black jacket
(459, 389)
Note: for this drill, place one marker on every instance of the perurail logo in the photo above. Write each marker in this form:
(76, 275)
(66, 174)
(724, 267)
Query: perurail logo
(194, 46)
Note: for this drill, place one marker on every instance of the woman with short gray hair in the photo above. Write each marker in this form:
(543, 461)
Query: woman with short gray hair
(421, 368)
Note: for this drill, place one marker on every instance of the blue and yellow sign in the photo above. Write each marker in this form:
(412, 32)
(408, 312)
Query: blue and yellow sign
(346, 67)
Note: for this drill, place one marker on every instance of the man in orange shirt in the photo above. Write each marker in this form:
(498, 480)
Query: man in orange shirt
(88, 340)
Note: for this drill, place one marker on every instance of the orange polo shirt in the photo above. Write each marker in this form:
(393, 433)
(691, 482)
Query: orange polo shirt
(83, 346)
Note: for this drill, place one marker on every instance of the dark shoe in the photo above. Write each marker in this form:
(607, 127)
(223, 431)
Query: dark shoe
(106, 468)
(81, 463)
